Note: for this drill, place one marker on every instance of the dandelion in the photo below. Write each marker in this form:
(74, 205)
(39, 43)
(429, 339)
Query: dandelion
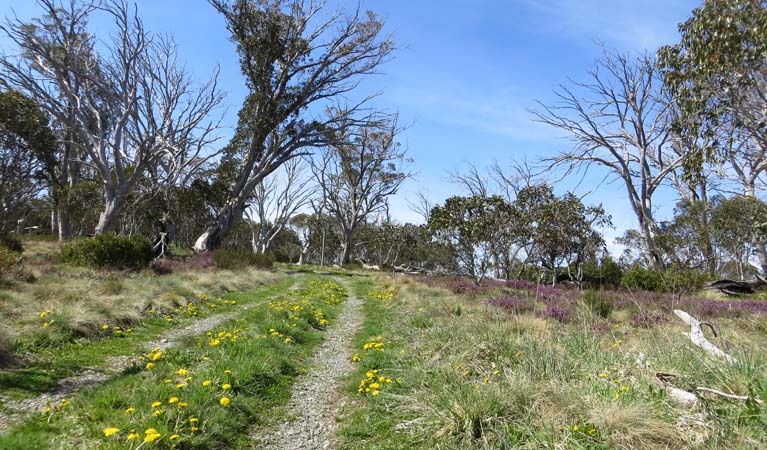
(194, 429)
(375, 393)
(207, 383)
(226, 386)
(603, 375)
(227, 371)
(105, 327)
(173, 437)
(193, 420)
(180, 385)
(172, 400)
(108, 431)
(130, 410)
(224, 401)
(182, 405)
(133, 435)
(46, 324)
(356, 358)
(575, 428)
(150, 365)
(182, 372)
(47, 410)
(156, 404)
(157, 412)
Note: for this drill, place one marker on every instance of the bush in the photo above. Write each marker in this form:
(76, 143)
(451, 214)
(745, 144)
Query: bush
(9, 261)
(638, 277)
(109, 251)
(231, 259)
(599, 303)
(11, 243)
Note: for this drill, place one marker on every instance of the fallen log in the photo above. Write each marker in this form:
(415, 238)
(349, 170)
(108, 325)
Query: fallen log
(698, 338)
(734, 288)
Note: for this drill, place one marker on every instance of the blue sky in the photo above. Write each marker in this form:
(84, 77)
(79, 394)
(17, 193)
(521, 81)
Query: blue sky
(464, 77)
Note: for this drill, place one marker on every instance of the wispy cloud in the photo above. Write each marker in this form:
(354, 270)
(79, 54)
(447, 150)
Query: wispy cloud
(631, 24)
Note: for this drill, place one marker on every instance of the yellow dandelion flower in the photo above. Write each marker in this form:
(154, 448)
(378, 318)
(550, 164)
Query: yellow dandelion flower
(130, 410)
(374, 393)
(182, 372)
(227, 371)
(180, 385)
(156, 356)
(224, 401)
(156, 404)
(226, 386)
(172, 400)
(603, 375)
(173, 437)
(46, 324)
(105, 327)
(193, 420)
(157, 412)
(194, 429)
(575, 428)
(207, 383)
(150, 365)
(149, 438)
(133, 435)
(108, 431)
(183, 404)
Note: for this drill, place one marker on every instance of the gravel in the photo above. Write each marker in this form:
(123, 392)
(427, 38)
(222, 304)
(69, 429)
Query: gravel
(316, 401)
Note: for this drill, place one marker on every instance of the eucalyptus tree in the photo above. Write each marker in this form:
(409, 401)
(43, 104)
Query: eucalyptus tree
(717, 75)
(469, 226)
(26, 145)
(276, 200)
(125, 109)
(619, 121)
(294, 56)
(358, 173)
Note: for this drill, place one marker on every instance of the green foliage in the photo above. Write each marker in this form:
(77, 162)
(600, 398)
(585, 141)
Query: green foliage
(598, 302)
(9, 261)
(231, 259)
(109, 251)
(637, 277)
(714, 73)
(11, 243)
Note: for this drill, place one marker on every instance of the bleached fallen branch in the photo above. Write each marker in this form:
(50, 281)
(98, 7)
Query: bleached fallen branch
(743, 398)
(698, 338)
(679, 396)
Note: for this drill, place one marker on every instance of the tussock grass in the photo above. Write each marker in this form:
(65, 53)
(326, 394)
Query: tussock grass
(476, 376)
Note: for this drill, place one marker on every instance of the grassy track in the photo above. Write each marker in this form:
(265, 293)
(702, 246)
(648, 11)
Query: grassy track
(202, 394)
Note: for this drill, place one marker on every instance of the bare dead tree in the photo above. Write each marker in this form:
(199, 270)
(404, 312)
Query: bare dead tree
(127, 109)
(619, 122)
(359, 173)
(291, 58)
(276, 200)
(470, 180)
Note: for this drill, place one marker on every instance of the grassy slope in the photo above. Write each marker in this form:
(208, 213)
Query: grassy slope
(478, 376)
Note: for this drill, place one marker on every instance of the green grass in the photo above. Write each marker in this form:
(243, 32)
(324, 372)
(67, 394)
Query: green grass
(251, 360)
(476, 377)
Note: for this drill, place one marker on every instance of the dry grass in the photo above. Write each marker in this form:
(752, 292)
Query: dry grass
(81, 300)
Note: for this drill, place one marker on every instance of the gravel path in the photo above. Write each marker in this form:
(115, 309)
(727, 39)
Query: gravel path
(316, 402)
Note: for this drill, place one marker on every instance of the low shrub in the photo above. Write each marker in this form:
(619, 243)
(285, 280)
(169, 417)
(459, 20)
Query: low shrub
(109, 251)
(10, 261)
(231, 259)
(638, 277)
(598, 302)
(11, 243)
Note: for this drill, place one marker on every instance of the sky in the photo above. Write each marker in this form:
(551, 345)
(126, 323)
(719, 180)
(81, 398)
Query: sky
(464, 77)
